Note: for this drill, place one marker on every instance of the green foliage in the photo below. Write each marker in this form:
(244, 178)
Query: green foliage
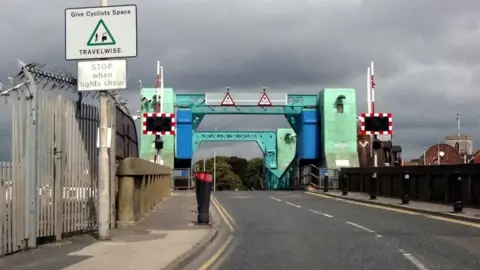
(234, 172)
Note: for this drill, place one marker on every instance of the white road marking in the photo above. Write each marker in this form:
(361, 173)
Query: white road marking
(289, 203)
(360, 227)
(240, 197)
(320, 213)
(413, 260)
(363, 228)
(276, 199)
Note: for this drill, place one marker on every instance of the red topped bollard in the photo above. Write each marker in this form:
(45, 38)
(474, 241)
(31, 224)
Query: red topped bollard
(203, 187)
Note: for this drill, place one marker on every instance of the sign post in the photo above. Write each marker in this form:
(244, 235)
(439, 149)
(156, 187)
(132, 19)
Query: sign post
(100, 33)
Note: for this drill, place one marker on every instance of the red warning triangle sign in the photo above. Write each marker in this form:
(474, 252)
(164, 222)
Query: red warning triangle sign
(264, 100)
(227, 100)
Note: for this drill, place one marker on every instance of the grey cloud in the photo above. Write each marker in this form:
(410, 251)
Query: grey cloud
(425, 51)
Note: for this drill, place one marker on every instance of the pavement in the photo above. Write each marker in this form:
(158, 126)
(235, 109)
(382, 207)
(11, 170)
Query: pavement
(299, 230)
(167, 239)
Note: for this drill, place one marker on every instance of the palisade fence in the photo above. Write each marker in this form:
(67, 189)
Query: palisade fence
(65, 196)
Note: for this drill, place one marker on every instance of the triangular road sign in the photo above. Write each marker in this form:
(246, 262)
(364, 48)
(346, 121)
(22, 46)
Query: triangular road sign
(264, 100)
(227, 100)
(101, 35)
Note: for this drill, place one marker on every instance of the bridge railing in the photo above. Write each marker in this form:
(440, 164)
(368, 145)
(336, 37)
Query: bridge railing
(427, 183)
(141, 186)
(183, 179)
(313, 175)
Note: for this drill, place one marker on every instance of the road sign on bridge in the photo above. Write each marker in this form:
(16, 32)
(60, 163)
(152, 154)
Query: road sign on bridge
(245, 99)
(227, 100)
(101, 32)
(264, 100)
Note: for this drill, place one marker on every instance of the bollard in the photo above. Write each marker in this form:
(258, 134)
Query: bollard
(405, 188)
(198, 186)
(458, 194)
(325, 182)
(204, 186)
(345, 185)
(373, 187)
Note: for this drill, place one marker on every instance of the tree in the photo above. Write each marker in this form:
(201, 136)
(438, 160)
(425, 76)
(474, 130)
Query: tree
(234, 172)
(254, 173)
(239, 166)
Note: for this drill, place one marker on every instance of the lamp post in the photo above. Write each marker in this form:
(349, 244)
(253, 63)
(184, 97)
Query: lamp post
(214, 169)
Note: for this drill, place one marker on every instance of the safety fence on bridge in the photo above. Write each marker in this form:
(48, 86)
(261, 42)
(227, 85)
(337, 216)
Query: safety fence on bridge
(438, 183)
(183, 179)
(315, 176)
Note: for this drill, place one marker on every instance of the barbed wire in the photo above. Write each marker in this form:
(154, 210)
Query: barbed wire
(45, 77)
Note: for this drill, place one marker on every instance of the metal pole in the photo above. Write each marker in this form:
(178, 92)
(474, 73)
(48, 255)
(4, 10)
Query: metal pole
(204, 168)
(159, 106)
(103, 167)
(214, 170)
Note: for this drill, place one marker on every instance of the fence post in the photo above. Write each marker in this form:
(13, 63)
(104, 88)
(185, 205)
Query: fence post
(405, 188)
(458, 193)
(58, 166)
(31, 189)
(3, 212)
(373, 186)
(325, 182)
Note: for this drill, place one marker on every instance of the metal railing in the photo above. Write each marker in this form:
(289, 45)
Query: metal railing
(183, 179)
(313, 175)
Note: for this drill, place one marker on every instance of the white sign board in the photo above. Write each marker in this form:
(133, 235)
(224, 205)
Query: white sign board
(101, 32)
(245, 99)
(102, 75)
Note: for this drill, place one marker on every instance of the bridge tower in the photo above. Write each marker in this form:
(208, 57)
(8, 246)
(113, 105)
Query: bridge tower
(323, 129)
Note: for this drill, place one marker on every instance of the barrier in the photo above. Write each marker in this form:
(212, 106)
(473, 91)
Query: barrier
(141, 186)
(447, 184)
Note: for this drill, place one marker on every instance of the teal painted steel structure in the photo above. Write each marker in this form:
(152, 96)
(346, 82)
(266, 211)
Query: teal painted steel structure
(197, 103)
(293, 108)
(275, 178)
(281, 148)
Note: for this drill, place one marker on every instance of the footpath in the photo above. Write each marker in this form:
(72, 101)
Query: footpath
(433, 209)
(167, 239)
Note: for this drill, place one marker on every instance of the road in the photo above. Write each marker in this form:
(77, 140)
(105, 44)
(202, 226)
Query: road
(294, 230)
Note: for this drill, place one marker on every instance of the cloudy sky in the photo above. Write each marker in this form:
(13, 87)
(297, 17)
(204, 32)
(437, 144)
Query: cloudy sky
(426, 53)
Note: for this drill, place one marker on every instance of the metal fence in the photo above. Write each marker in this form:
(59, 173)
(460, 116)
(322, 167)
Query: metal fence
(182, 179)
(311, 174)
(62, 198)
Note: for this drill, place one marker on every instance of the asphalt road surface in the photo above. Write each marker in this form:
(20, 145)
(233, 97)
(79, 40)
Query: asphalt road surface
(294, 230)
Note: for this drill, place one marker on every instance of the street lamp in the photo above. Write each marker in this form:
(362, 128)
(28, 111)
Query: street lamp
(214, 169)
